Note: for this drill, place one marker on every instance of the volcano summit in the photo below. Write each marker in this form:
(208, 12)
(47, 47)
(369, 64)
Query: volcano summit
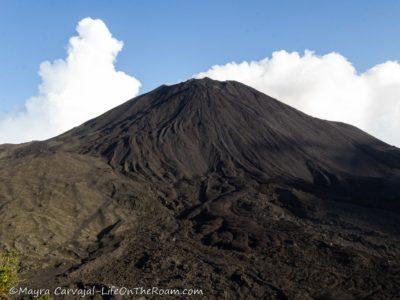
(210, 185)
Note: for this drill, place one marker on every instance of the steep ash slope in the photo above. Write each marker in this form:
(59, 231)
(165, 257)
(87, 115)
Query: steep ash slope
(203, 127)
(212, 185)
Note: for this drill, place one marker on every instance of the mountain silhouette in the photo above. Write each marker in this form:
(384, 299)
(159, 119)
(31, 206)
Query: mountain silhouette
(211, 185)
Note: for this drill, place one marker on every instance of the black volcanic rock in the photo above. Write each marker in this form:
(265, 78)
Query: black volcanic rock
(211, 185)
(203, 126)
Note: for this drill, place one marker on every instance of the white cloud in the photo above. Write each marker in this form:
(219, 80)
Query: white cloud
(73, 90)
(327, 87)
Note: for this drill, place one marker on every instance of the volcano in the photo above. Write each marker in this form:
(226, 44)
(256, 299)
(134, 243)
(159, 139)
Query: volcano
(209, 185)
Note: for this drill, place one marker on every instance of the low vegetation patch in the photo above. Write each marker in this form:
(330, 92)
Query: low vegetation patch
(8, 273)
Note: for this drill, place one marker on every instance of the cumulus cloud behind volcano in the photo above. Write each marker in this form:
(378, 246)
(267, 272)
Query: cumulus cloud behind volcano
(327, 87)
(73, 90)
(86, 84)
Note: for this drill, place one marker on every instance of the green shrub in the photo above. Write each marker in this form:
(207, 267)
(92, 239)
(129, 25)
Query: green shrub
(45, 297)
(8, 273)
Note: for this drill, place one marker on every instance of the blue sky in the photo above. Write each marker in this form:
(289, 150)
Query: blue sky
(167, 41)
(352, 75)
